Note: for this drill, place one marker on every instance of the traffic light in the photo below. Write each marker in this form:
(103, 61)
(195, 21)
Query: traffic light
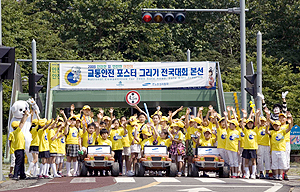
(7, 62)
(33, 87)
(252, 80)
(155, 17)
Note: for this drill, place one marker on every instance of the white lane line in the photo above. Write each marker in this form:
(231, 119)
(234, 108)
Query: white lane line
(210, 180)
(124, 180)
(166, 180)
(256, 181)
(228, 185)
(195, 189)
(83, 180)
(36, 185)
(276, 187)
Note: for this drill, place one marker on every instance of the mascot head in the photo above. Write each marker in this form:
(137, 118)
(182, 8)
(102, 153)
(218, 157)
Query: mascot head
(18, 109)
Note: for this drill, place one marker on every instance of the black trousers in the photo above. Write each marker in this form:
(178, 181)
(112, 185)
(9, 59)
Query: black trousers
(19, 165)
(118, 158)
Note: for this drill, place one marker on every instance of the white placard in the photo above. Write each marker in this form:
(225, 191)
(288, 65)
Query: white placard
(155, 150)
(130, 75)
(99, 149)
(208, 151)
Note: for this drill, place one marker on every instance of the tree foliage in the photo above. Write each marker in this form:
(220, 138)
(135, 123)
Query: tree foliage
(112, 30)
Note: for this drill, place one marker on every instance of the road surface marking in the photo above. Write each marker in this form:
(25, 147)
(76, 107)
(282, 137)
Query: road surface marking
(83, 180)
(210, 180)
(138, 188)
(217, 186)
(195, 189)
(256, 181)
(166, 180)
(124, 180)
(276, 187)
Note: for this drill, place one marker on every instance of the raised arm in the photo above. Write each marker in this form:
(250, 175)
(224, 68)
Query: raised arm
(67, 127)
(72, 108)
(111, 111)
(257, 121)
(139, 109)
(187, 121)
(228, 111)
(63, 114)
(176, 111)
(284, 105)
(24, 118)
(290, 121)
(244, 117)
(226, 119)
(200, 113)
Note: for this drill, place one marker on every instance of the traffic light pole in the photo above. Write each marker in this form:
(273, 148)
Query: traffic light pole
(34, 67)
(239, 10)
(259, 70)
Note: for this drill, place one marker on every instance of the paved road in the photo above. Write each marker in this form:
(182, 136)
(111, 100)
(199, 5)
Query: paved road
(152, 184)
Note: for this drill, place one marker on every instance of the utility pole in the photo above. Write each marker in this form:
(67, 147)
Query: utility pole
(259, 70)
(243, 53)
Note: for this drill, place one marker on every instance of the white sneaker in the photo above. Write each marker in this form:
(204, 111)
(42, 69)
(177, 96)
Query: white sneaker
(159, 174)
(74, 174)
(69, 175)
(253, 176)
(129, 174)
(28, 174)
(57, 176)
(246, 176)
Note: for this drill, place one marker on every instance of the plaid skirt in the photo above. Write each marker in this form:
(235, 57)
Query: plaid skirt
(189, 148)
(72, 150)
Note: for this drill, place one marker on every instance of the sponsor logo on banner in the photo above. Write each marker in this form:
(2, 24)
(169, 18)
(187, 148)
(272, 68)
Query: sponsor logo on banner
(73, 76)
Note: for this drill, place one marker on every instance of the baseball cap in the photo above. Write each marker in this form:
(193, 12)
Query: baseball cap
(42, 122)
(106, 118)
(34, 121)
(249, 120)
(144, 131)
(282, 115)
(164, 118)
(15, 124)
(234, 122)
(180, 124)
(207, 130)
(262, 118)
(86, 107)
(276, 122)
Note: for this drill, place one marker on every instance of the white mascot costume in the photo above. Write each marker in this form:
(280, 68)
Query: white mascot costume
(18, 109)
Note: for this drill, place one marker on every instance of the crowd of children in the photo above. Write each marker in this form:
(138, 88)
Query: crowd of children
(243, 142)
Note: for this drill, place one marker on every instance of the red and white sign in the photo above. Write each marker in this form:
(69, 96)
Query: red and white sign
(133, 98)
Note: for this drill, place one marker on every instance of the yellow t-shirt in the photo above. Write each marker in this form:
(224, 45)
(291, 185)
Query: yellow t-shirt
(35, 138)
(191, 133)
(125, 141)
(209, 142)
(130, 133)
(52, 144)
(73, 136)
(221, 134)
(262, 137)
(178, 135)
(158, 128)
(116, 136)
(61, 145)
(145, 142)
(166, 142)
(232, 140)
(88, 139)
(287, 135)
(44, 142)
(11, 139)
(250, 138)
(19, 139)
(242, 137)
(278, 140)
(101, 141)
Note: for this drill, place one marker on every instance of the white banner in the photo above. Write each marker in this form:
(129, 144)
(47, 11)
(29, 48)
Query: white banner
(130, 75)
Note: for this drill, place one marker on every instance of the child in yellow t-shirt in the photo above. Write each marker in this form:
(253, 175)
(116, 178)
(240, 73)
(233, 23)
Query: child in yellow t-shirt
(18, 144)
(126, 146)
(177, 149)
(34, 148)
(61, 149)
(221, 136)
(89, 136)
(53, 133)
(73, 144)
(44, 152)
(263, 150)
(116, 134)
(208, 140)
(250, 147)
(12, 154)
(278, 146)
(232, 145)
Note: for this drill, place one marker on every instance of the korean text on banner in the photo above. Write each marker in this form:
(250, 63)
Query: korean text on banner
(127, 75)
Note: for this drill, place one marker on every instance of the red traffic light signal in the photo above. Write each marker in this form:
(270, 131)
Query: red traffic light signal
(156, 17)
